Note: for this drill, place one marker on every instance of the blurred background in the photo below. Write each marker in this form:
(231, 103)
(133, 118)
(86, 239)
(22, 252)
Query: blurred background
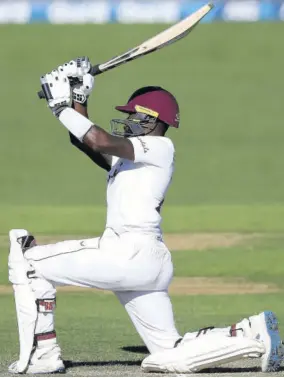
(134, 11)
(227, 77)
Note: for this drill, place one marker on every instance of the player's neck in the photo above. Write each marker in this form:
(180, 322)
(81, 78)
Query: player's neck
(155, 133)
(158, 131)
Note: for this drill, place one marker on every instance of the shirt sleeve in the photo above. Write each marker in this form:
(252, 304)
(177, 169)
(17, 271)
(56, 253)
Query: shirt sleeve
(158, 151)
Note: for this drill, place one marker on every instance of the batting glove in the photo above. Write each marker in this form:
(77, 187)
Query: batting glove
(82, 91)
(57, 89)
(81, 82)
(76, 68)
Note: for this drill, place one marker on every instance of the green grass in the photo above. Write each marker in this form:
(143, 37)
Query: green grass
(83, 220)
(225, 76)
(261, 260)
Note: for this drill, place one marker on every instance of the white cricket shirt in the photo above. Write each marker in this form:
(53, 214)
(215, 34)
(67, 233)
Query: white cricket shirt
(136, 189)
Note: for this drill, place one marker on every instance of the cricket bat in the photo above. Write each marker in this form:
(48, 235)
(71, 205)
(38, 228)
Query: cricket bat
(165, 38)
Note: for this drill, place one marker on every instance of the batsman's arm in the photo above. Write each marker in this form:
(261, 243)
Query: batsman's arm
(99, 140)
(102, 160)
(96, 138)
(99, 145)
(57, 85)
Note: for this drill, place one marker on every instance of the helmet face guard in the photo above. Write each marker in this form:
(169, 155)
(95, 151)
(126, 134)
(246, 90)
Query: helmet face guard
(136, 124)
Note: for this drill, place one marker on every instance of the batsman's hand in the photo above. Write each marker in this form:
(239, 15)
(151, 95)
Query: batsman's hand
(82, 83)
(57, 89)
(76, 68)
(82, 91)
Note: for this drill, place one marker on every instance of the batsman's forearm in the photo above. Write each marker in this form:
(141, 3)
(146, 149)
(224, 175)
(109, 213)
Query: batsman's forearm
(102, 160)
(94, 136)
(81, 109)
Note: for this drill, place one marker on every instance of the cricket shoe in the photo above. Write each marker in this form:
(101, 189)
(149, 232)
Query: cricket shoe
(264, 328)
(46, 359)
(52, 366)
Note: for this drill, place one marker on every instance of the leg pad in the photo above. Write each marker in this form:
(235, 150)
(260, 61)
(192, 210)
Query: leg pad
(203, 352)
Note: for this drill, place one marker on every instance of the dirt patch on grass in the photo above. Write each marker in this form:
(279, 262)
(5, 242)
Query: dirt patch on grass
(218, 286)
(192, 286)
(204, 241)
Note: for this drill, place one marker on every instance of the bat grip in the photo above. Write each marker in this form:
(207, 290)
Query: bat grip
(94, 71)
(40, 95)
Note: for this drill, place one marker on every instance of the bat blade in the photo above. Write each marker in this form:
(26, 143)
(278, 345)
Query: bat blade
(165, 38)
(177, 31)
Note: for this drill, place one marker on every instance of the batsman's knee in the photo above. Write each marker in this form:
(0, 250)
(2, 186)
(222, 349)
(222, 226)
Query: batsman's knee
(18, 266)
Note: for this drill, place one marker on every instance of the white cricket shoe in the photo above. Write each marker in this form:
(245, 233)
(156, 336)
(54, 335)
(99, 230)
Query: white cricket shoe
(45, 359)
(50, 366)
(264, 327)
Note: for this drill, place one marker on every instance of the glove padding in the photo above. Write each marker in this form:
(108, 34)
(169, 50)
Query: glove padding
(76, 68)
(81, 91)
(57, 89)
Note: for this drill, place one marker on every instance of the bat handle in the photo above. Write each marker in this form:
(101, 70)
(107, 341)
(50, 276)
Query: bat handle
(94, 71)
(41, 95)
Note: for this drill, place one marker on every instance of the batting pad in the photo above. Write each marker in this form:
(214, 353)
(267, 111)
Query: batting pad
(24, 299)
(204, 352)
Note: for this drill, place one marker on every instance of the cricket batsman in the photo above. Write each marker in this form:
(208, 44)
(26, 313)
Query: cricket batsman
(129, 258)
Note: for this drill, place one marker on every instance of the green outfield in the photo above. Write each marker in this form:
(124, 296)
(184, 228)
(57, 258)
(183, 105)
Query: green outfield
(226, 78)
(229, 178)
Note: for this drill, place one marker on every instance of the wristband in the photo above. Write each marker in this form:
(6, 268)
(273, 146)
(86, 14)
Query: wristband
(77, 124)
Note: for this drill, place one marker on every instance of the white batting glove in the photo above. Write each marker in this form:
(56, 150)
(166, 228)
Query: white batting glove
(76, 68)
(82, 91)
(57, 89)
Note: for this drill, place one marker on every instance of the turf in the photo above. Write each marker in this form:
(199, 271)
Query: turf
(90, 220)
(259, 261)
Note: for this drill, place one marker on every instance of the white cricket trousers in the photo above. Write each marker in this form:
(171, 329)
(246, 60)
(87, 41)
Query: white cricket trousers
(136, 267)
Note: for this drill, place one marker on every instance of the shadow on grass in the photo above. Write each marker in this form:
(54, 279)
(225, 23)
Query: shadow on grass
(218, 370)
(136, 349)
(71, 364)
(224, 370)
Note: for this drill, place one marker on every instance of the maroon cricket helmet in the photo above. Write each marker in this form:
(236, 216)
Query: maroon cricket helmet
(156, 99)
